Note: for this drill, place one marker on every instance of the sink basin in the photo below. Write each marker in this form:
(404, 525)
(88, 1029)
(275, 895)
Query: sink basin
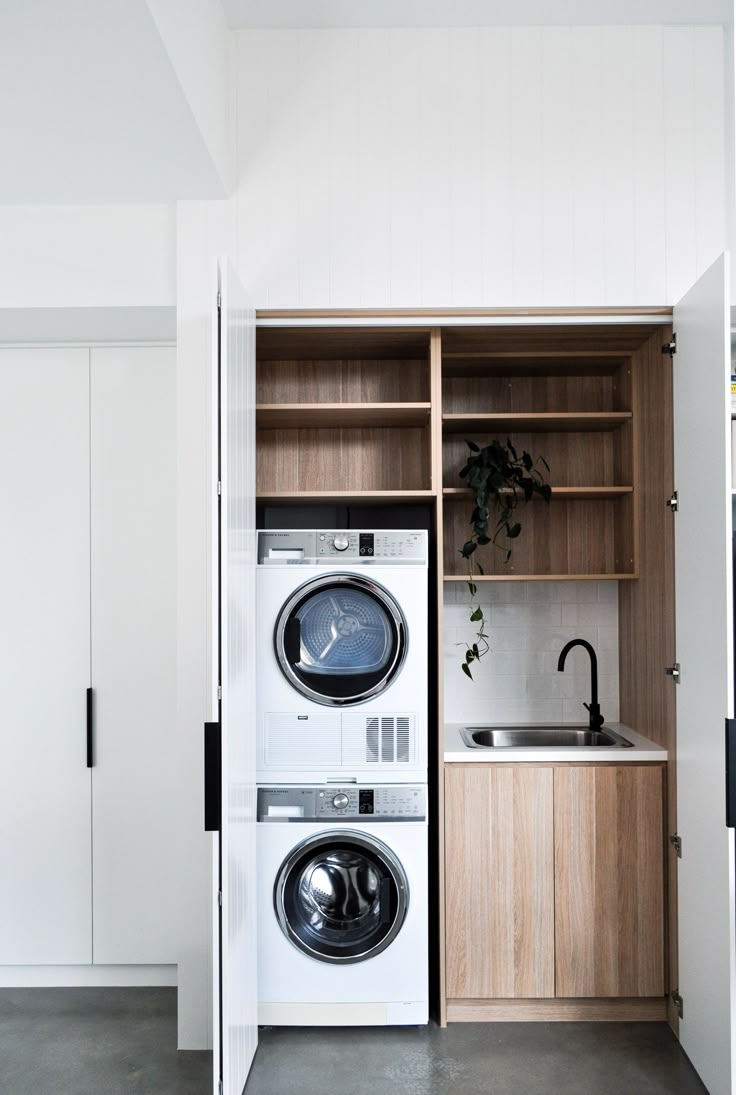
(542, 737)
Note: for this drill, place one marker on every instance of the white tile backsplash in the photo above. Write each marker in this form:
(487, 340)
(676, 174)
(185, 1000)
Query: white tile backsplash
(528, 623)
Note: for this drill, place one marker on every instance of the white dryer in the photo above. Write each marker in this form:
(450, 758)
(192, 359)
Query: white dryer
(342, 905)
(342, 655)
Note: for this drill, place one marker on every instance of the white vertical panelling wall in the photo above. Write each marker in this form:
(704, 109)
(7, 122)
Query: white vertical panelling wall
(479, 166)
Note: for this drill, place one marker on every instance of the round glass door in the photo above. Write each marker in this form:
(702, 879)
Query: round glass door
(341, 897)
(340, 639)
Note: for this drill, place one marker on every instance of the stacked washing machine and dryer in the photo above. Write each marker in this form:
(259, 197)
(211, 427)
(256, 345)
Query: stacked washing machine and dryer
(342, 777)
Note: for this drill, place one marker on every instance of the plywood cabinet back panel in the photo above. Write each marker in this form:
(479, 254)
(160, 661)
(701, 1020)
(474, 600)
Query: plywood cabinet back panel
(343, 381)
(575, 459)
(564, 537)
(516, 394)
(342, 459)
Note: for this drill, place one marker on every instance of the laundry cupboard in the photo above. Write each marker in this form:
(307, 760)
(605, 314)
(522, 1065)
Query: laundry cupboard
(88, 593)
(360, 409)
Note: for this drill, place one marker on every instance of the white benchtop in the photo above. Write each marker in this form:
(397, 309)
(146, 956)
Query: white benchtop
(456, 751)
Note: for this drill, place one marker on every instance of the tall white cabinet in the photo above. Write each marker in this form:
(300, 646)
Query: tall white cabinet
(88, 856)
(45, 786)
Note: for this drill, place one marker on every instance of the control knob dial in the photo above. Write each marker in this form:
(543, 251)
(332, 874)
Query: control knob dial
(340, 801)
(341, 542)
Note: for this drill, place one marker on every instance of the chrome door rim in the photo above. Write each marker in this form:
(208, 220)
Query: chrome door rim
(364, 585)
(370, 844)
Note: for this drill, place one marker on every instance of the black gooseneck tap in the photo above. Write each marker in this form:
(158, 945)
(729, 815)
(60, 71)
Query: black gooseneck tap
(596, 719)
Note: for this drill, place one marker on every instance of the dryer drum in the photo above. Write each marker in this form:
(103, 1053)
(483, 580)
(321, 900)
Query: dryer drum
(340, 639)
(341, 897)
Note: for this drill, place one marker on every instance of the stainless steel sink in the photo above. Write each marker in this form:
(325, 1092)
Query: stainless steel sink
(542, 737)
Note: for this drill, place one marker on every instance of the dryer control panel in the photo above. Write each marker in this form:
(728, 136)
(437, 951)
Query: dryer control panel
(352, 546)
(349, 802)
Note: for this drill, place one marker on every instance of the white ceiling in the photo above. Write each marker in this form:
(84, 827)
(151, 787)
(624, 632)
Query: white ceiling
(450, 13)
(91, 109)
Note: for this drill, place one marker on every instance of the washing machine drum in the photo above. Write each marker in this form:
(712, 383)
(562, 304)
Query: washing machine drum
(341, 897)
(340, 639)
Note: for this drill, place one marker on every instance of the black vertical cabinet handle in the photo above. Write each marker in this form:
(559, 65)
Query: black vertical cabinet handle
(90, 730)
(212, 777)
(731, 773)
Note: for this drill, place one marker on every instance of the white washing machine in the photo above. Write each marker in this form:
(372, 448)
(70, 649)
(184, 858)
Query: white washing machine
(342, 905)
(342, 656)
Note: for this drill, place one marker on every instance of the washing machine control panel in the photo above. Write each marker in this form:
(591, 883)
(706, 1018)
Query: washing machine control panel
(350, 802)
(348, 545)
(351, 544)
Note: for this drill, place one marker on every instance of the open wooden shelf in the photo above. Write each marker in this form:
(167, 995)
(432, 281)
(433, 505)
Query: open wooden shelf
(566, 422)
(347, 496)
(580, 533)
(540, 577)
(286, 416)
(558, 493)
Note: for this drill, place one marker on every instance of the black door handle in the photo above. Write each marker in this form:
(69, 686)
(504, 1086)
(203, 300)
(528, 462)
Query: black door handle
(293, 640)
(731, 773)
(385, 900)
(90, 729)
(212, 777)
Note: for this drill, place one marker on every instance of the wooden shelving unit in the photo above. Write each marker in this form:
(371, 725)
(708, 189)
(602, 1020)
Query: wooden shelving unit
(343, 414)
(563, 393)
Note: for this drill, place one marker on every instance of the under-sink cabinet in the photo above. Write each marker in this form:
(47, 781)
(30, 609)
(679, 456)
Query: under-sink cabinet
(554, 889)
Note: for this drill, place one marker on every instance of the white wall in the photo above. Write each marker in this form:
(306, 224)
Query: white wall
(87, 256)
(491, 166)
(196, 39)
(528, 623)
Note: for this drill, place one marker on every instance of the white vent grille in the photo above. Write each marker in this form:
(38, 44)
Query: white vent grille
(379, 739)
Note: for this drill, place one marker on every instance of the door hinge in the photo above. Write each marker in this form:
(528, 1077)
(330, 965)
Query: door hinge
(219, 487)
(676, 842)
(674, 672)
(219, 898)
(673, 502)
(219, 691)
(219, 1087)
(677, 1001)
(671, 346)
(219, 299)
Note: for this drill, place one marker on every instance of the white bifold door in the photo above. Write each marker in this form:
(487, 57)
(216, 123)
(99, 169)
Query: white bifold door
(234, 548)
(704, 611)
(88, 850)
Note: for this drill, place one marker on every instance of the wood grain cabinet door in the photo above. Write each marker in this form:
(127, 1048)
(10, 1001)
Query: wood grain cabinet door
(499, 882)
(609, 931)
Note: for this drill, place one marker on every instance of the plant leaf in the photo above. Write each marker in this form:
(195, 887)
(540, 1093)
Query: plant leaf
(472, 446)
(477, 615)
(466, 671)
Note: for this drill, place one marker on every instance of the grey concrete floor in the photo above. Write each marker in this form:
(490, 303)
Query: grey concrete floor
(474, 1059)
(95, 1042)
(123, 1041)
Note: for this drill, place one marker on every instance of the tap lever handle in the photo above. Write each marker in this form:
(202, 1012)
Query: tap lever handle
(596, 719)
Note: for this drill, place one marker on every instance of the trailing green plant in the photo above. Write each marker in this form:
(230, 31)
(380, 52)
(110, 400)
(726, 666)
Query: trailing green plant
(500, 480)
